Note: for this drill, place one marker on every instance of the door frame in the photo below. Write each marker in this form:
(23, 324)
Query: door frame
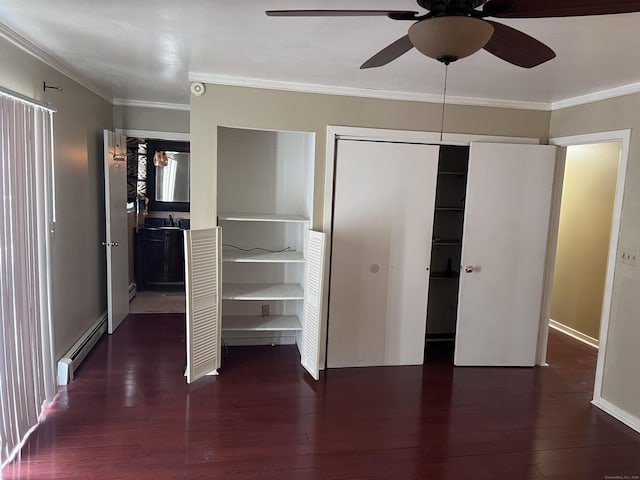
(337, 132)
(153, 135)
(624, 137)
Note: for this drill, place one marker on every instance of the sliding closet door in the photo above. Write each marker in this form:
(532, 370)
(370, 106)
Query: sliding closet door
(504, 248)
(384, 197)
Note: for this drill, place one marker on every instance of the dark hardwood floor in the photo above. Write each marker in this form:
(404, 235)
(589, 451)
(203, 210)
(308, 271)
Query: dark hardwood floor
(130, 415)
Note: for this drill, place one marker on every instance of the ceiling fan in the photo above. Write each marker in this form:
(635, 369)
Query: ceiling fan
(454, 29)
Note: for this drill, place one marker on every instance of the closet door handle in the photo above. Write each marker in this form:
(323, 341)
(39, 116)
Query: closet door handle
(469, 269)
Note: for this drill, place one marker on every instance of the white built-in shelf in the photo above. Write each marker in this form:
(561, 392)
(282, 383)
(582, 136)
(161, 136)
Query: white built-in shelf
(262, 291)
(259, 256)
(262, 217)
(257, 324)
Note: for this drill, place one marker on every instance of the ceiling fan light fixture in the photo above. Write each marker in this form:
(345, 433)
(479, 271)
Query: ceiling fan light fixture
(450, 38)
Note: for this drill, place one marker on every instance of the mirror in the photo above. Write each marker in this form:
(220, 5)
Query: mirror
(172, 177)
(168, 175)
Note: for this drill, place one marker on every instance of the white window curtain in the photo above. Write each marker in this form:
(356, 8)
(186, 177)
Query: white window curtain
(27, 380)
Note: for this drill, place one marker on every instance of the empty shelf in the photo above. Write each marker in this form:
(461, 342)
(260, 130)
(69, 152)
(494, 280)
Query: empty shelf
(445, 275)
(257, 324)
(262, 217)
(449, 209)
(262, 291)
(259, 256)
(447, 242)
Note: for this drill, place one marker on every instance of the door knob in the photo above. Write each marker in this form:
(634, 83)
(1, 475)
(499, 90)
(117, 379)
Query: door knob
(468, 268)
(110, 244)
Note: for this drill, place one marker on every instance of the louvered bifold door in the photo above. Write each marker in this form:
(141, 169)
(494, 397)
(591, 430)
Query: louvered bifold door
(203, 301)
(313, 280)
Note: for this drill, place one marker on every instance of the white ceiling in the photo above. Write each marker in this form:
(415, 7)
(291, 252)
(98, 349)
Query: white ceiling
(146, 50)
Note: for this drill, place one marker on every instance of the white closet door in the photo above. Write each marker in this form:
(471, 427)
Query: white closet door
(116, 241)
(507, 213)
(313, 279)
(202, 285)
(384, 198)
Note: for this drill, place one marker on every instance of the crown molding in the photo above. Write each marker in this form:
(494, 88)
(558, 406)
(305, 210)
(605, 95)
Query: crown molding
(597, 96)
(45, 57)
(362, 92)
(144, 104)
(65, 69)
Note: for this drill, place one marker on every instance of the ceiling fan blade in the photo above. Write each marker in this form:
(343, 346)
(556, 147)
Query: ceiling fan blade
(557, 8)
(389, 53)
(394, 14)
(517, 47)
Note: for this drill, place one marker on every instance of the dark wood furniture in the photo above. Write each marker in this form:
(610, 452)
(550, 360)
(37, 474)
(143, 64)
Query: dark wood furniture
(159, 257)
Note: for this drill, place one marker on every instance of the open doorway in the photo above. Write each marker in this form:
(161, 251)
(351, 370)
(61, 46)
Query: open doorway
(158, 212)
(584, 236)
(614, 253)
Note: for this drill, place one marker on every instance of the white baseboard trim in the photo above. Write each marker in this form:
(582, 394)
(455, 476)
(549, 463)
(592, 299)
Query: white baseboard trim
(617, 413)
(68, 364)
(592, 342)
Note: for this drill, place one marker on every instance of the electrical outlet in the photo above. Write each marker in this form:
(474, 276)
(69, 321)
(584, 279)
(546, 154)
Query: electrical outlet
(265, 310)
(629, 256)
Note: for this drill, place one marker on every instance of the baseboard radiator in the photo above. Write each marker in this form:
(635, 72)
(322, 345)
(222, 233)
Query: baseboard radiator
(68, 364)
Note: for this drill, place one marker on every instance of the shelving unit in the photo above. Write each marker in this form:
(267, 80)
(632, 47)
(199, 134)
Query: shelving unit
(238, 256)
(447, 243)
(265, 185)
(262, 291)
(248, 323)
(259, 281)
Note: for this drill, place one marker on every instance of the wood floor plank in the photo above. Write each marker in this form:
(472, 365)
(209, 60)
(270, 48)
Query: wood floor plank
(130, 415)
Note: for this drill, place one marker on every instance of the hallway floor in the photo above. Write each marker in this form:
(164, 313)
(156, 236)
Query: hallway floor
(150, 301)
(130, 415)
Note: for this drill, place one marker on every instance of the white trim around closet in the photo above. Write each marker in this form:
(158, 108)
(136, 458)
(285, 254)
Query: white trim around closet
(335, 133)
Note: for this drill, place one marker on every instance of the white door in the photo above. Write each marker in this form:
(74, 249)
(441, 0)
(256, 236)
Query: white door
(202, 259)
(504, 247)
(116, 243)
(314, 250)
(384, 198)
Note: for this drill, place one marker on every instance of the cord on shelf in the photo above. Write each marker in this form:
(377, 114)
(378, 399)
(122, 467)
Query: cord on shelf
(288, 249)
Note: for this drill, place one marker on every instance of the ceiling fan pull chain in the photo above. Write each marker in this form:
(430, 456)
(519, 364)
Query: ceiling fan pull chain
(444, 98)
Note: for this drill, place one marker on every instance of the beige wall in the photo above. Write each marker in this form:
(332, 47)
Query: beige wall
(78, 263)
(583, 238)
(620, 386)
(284, 110)
(154, 119)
